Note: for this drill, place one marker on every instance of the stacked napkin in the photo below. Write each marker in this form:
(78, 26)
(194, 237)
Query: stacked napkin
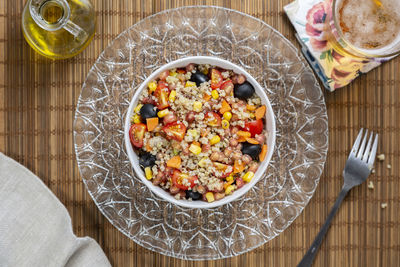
(35, 228)
(309, 18)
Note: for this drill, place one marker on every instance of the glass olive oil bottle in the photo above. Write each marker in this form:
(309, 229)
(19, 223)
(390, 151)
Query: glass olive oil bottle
(58, 29)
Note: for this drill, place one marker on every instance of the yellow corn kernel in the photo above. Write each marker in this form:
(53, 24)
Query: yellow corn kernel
(227, 184)
(252, 115)
(229, 189)
(190, 84)
(203, 162)
(173, 74)
(248, 176)
(229, 178)
(215, 140)
(162, 113)
(172, 96)
(193, 133)
(250, 107)
(152, 86)
(225, 124)
(214, 94)
(205, 71)
(210, 196)
(378, 3)
(136, 119)
(149, 173)
(227, 115)
(197, 105)
(138, 107)
(195, 149)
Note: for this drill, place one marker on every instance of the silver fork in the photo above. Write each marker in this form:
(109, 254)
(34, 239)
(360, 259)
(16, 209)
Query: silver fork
(357, 169)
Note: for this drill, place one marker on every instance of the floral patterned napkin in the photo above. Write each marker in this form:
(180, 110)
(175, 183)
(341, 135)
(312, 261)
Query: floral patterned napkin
(309, 18)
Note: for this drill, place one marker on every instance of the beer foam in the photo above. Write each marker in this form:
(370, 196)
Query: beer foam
(368, 26)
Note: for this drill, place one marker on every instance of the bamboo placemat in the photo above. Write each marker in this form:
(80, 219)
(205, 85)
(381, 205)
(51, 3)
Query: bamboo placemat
(37, 104)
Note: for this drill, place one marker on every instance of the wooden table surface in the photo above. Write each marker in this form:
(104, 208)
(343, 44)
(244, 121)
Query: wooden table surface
(37, 103)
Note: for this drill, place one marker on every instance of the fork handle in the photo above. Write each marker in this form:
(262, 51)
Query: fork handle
(312, 251)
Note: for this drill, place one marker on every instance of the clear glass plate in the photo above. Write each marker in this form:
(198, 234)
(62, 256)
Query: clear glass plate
(301, 144)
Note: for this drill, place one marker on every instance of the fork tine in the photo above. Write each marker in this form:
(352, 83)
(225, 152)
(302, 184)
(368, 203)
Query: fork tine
(372, 155)
(357, 143)
(367, 152)
(362, 147)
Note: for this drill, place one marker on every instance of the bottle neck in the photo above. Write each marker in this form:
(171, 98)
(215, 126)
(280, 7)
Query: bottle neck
(51, 15)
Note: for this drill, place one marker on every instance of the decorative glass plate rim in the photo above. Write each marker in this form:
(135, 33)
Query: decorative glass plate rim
(162, 13)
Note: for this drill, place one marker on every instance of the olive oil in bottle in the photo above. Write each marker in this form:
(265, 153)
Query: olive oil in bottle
(58, 29)
(51, 12)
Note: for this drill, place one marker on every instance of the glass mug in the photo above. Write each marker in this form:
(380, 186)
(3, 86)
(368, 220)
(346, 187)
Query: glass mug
(58, 29)
(374, 36)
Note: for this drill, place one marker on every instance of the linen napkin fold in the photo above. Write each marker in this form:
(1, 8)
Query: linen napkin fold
(35, 227)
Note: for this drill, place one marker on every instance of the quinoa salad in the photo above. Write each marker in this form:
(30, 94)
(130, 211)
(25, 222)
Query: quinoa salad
(199, 132)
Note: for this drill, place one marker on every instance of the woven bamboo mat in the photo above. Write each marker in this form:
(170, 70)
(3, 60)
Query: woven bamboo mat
(37, 103)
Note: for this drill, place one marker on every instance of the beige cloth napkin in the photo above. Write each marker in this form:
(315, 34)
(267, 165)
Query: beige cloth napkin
(35, 227)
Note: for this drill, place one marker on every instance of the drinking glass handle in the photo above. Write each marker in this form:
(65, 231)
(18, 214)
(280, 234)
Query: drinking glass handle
(75, 30)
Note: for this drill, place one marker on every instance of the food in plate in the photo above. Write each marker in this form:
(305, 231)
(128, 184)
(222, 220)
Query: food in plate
(199, 132)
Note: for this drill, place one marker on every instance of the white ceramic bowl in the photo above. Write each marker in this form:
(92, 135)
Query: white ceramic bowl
(270, 127)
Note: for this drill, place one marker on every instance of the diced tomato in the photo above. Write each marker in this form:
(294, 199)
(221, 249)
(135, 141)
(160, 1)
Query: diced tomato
(216, 79)
(169, 118)
(136, 134)
(178, 180)
(254, 127)
(162, 84)
(227, 86)
(212, 119)
(182, 71)
(162, 94)
(175, 130)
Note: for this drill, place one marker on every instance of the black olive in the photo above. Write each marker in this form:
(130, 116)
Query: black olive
(146, 159)
(252, 150)
(244, 91)
(198, 78)
(148, 111)
(193, 195)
